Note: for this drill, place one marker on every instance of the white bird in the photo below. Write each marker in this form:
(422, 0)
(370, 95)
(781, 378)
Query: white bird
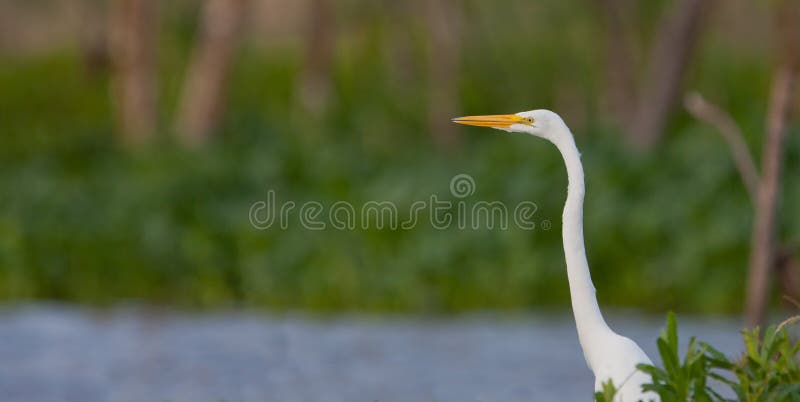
(609, 355)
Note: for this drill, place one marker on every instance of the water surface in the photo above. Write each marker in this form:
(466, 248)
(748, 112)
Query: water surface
(59, 353)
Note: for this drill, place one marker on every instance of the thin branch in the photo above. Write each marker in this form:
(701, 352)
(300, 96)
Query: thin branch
(785, 263)
(782, 95)
(705, 111)
(763, 241)
(788, 321)
(792, 301)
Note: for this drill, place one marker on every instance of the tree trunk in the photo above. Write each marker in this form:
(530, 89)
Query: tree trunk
(444, 24)
(202, 99)
(315, 84)
(678, 35)
(132, 27)
(94, 38)
(620, 66)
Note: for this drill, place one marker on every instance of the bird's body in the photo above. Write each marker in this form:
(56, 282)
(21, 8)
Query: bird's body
(609, 355)
(617, 363)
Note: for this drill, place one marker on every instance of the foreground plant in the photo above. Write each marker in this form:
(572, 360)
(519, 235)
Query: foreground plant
(769, 370)
(679, 380)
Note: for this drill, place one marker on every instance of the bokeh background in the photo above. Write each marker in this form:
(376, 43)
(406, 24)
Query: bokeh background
(136, 134)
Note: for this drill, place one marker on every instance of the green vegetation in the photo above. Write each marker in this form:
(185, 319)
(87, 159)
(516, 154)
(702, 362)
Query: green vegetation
(82, 220)
(769, 370)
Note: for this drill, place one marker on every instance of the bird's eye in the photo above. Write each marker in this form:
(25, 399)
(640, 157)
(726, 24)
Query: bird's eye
(529, 119)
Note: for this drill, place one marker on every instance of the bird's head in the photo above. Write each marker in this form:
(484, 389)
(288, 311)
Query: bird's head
(540, 123)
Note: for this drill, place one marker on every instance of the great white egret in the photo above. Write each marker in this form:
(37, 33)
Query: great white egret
(609, 355)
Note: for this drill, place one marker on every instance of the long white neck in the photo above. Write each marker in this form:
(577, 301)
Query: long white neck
(588, 318)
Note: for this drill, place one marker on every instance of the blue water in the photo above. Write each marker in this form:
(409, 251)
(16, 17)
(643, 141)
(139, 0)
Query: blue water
(61, 353)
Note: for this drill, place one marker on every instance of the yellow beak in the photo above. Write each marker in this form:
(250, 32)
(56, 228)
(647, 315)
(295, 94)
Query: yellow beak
(501, 121)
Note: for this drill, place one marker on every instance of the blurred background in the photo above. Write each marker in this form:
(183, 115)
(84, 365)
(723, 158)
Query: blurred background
(136, 134)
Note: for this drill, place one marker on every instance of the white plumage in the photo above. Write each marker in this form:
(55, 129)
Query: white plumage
(609, 355)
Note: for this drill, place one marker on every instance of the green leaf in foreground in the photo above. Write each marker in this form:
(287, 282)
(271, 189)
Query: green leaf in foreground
(768, 370)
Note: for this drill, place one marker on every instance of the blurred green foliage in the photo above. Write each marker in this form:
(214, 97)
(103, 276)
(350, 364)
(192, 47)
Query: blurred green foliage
(83, 220)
